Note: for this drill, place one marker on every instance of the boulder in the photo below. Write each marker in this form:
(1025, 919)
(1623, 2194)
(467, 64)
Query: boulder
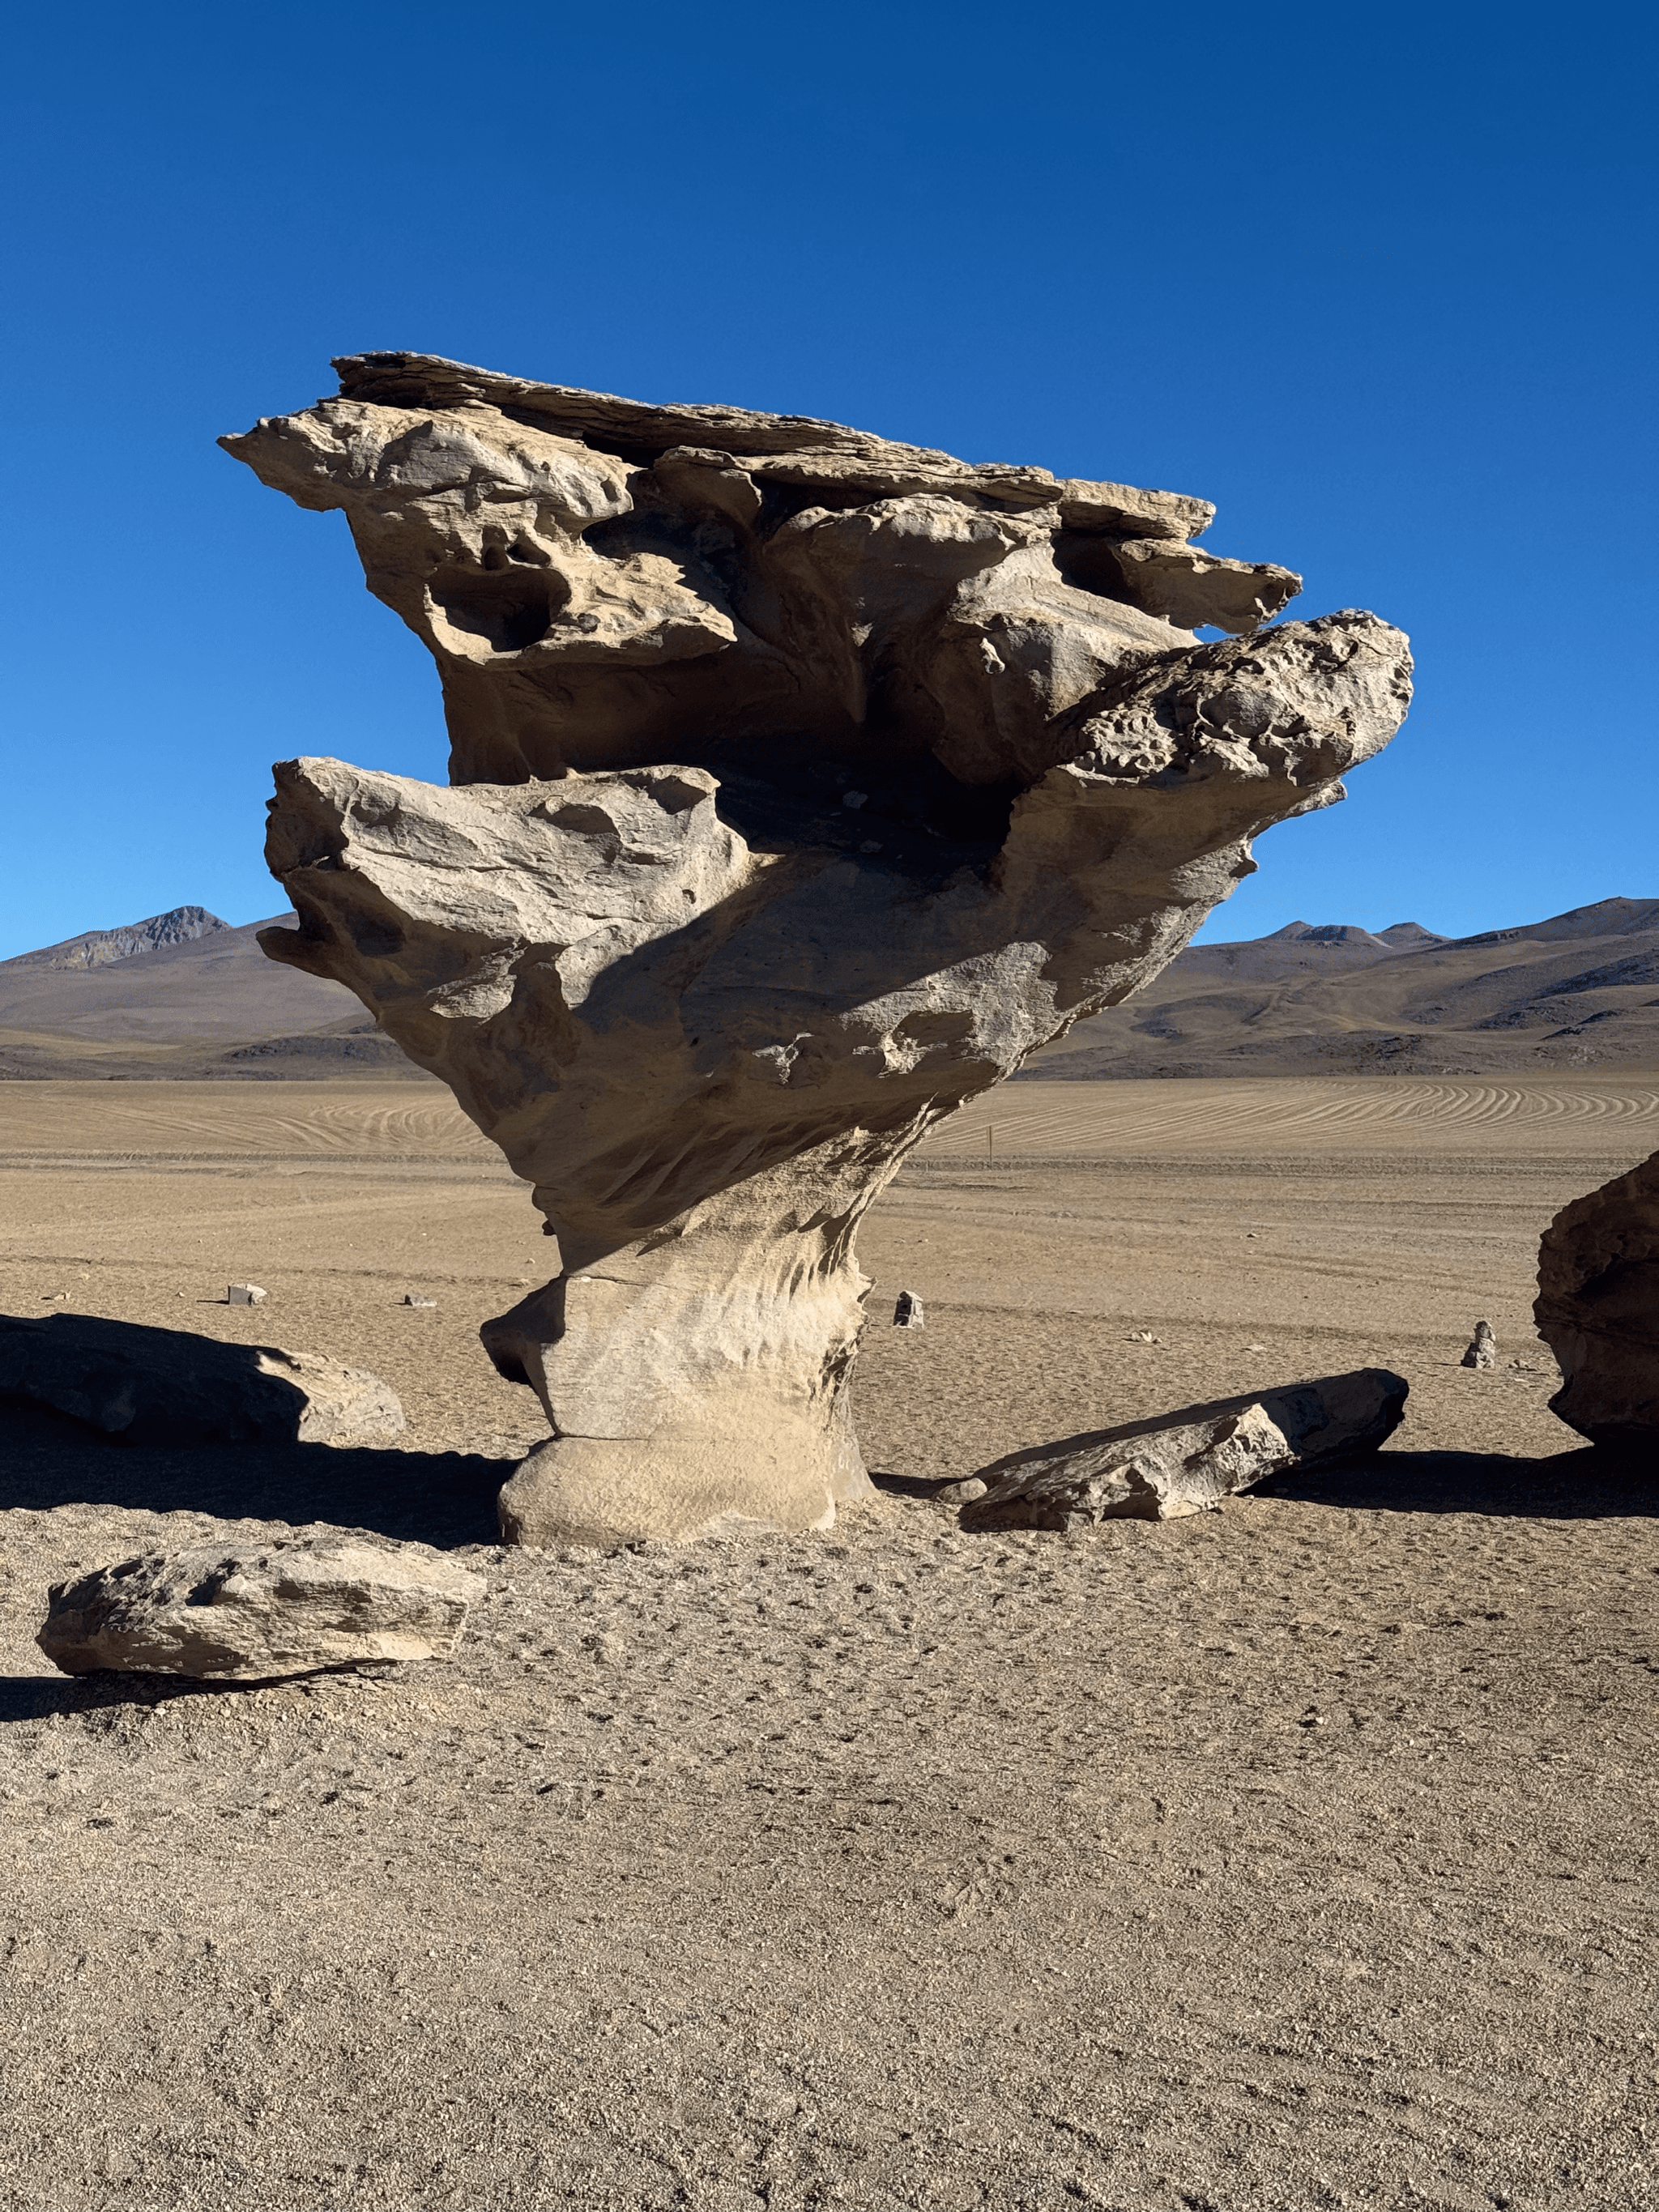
(243, 1611)
(1186, 1462)
(1598, 1311)
(802, 783)
(908, 1311)
(166, 1386)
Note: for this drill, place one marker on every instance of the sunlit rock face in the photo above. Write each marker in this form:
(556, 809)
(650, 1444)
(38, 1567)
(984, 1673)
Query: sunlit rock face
(802, 783)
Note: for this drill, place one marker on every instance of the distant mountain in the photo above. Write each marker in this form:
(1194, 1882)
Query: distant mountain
(181, 994)
(101, 948)
(1578, 989)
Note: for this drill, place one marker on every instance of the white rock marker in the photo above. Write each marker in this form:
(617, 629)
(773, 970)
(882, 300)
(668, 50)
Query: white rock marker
(244, 1294)
(1187, 1462)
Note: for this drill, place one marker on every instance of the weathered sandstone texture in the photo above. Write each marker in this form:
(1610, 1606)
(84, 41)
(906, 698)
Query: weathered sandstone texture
(1186, 1462)
(165, 1386)
(805, 783)
(250, 1613)
(1598, 1310)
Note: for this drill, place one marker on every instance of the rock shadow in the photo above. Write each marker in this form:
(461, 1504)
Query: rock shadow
(440, 1498)
(1573, 1486)
(39, 1696)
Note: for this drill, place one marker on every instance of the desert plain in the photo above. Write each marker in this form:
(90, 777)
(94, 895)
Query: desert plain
(1294, 1854)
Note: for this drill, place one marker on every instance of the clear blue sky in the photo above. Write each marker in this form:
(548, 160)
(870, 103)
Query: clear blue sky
(1379, 281)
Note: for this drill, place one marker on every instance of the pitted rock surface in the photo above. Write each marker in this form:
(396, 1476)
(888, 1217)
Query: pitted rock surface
(255, 1612)
(805, 782)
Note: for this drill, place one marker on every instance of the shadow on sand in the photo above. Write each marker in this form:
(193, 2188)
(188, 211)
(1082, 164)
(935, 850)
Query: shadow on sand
(1574, 1485)
(441, 1498)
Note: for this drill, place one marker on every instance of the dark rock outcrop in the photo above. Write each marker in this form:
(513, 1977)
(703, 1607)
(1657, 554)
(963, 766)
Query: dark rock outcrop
(1598, 1311)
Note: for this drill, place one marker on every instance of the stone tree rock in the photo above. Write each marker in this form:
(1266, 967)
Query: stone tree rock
(803, 784)
(1598, 1311)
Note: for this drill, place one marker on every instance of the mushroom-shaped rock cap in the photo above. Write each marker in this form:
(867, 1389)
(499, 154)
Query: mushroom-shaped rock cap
(605, 582)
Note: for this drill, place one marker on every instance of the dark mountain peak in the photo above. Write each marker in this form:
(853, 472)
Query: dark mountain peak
(101, 948)
(1321, 933)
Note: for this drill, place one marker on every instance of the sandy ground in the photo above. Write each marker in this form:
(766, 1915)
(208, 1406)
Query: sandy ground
(1297, 1854)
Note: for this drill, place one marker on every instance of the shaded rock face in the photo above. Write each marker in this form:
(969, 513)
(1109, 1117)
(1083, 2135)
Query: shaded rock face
(1186, 1462)
(166, 1386)
(836, 776)
(1598, 1311)
(224, 1612)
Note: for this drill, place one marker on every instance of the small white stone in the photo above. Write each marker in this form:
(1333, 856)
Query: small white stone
(855, 800)
(409, 1299)
(244, 1294)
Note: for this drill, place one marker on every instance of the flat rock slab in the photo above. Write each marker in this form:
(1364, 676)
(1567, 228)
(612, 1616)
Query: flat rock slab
(229, 1613)
(1186, 1462)
(166, 1386)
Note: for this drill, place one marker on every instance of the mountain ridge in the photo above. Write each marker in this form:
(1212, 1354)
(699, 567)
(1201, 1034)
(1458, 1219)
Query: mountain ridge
(1324, 998)
(103, 948)
(201, 1003)
(185, 994)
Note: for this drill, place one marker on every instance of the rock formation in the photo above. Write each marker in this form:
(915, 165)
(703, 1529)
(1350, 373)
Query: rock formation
(1185, 1462)
(1598, 1311)
(805, 783)
(167, 1386)
(251, 1612)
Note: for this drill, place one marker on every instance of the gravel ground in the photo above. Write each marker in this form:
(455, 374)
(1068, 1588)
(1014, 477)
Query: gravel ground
(1293, 1855)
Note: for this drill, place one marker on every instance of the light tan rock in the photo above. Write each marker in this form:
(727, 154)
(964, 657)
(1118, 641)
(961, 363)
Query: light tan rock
(1598, 1311)
(1186, 1462)
(241, 1612)
(800, 796)
(801, 581)
(1190, 588)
